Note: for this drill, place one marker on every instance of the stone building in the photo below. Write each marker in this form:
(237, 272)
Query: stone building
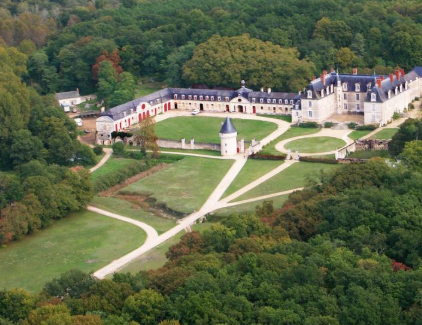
(228, 138)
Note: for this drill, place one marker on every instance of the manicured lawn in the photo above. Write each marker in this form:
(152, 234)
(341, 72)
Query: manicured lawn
(370, 154)
(84, 240)
(358, 134)
(147, 88)
(252, 170)
(156, 257)
(206, 129)
(385, 134)
(278, 202)
(185, 185)
(195, 151)
(287, 118)
(314, 145)
(130, 210)
(269, 149)
(112, 165)
(293, 177)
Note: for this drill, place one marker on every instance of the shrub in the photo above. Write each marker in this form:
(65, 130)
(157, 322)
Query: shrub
(310, 125)
(411, 106)
(268, 157)
(319, 160)
(396, 116)
(366, 127)
(118, 148)
(98, 150)
(351, 125)
(329, 124)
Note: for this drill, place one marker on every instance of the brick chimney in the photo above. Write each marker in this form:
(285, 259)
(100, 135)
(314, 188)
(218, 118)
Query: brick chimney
(398, 75)
(382, 78)
(402, 72)
(323, 78)
(379, 83)
(355, 71)
(269, 90)
(391, 77)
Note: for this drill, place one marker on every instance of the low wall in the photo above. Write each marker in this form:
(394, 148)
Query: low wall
(191, 145)
(362, 145)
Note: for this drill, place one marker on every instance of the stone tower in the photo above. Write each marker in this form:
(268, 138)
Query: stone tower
(228, 135)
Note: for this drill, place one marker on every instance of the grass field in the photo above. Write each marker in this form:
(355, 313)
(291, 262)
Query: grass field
(84, 240)
(385, 134)
(314, 145)
(252, 170)
(156, 257)
(278, 202)
(269, 149)
(184, 185)
(293, 177)
(358, 134)
(112, 165)
(286, 118)
(206, 129)
(126, 209)
(147, 88)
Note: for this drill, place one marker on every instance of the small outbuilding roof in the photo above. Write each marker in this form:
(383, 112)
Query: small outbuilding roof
(68, 95)
(228, 127)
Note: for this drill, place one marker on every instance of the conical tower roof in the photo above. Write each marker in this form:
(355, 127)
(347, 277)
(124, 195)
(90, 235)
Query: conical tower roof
(227, 127)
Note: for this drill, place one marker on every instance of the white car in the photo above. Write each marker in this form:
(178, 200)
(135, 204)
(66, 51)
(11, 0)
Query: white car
(78, 121)
(195, 111)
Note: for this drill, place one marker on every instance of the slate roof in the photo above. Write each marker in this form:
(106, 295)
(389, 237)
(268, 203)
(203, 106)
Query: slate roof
(67, 95)
(228, 127)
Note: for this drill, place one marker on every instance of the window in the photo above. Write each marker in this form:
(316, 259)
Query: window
(309, 104)
(274, 101)
(357, 96)
(212, 97)
(357, 87)
(345, 86)
(396, 91)
(183, 96)
(189, 97)
(227, 99)
(373, 97)
(389, 94)
(261, 100)
(401, 88)
(207, 97)
(322, 93)
(175, 96)
(219, 98)
(405, 85)
(332, 88)
(345, 96)
(157, 101)
(309, 113)
(286, 101)
(280, 101)
(195, 97)
(369, 85)
(345, 105)
(358, 107)
(291, 102)
(373, 119)
(253, 100)
(269, 101)
(373, 107)
(201, 97)
(309, 94)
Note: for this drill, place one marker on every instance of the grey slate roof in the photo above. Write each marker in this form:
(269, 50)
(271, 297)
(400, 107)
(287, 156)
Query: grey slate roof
(67, 95)
(228, 127)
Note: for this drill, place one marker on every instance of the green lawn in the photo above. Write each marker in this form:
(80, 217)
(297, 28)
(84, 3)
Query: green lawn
(293, 177)
(185, 185)
(147, 88)
(286, 118)
(156, 257)
(112, 165)
(269, 149)
(368, 154)
(92, 104)
(206, 129)
(278, 202)
(314, 145)
(129, 210)
(358, 134)
(84, 240)
(385, 134)
(252, 170)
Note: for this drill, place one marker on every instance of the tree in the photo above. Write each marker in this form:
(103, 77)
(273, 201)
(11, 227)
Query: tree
(118, 148)
(145, 307)
(25, 147)
(50, 315)
(16, 304)
(175, 62)
(191, 242)
(345, 58)
(107, 81)
(410, 130)
(73, 283)
(125, 90)
(412, 154)
(146, 137)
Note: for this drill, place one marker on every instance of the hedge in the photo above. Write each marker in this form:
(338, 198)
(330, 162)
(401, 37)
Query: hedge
(318, 160)
(310, 125)
(268, 157)
(366, 128)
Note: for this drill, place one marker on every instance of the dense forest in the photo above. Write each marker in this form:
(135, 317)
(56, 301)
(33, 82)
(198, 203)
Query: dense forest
(180, 42)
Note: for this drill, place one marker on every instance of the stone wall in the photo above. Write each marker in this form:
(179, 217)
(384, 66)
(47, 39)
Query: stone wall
(362, 145)
(191, 145)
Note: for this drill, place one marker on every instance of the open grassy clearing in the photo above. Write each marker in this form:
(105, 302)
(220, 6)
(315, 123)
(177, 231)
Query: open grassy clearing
(206, 129)
(156, 257)
(278, 202)
(185, 185)
(286, 118)
(385, 134)
(112, 165)
(293, 132)
(314, 145)
(252, 170)
(130, 210)
(356, 134)
(293, 177)
(370, 154)
(147, 88)
(84, 240)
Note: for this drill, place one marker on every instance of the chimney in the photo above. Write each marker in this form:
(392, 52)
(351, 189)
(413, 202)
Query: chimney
(398, 75)
(269, 90)
(382, 78)
(323, 78)
(402, 72)
(355, 71)
(391, 77)
(262, 89)
(379, 83)
(102, 109)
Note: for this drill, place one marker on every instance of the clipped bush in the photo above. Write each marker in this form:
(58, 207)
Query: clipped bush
(319, 160)
(98, 150)
(118, 148)
(410, 106)
(396, 116)
(369, 127)
(310, 125)
(268, 157)
(352, 125)
(328, 125)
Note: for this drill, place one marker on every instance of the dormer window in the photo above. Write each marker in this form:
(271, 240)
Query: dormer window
(131, 111)
(219, 98)
(286, 101)
(405, 85)
(396, 91)
(332, 89)
(151, 103)
(309, 94)
(401, 88)
(269, 101)
(345, 86)
(207, 97)
(280, 101)
(201, 97)
(189, 97)
(327, 90)
(157, 101)
(291, 102)
(183, 96)
(369, 86)
(357, 87)
(227, 99)
(175, 96)
(253, 100)
(322, 93)
(261, 100)
(195, 97)
(373, 97)
(212, 97)
(389, 94)
(274, 101)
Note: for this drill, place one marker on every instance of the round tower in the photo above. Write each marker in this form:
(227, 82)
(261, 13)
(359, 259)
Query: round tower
(228, 138)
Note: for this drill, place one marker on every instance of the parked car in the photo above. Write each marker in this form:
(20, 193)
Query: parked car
(195, 111)
(78, 121)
